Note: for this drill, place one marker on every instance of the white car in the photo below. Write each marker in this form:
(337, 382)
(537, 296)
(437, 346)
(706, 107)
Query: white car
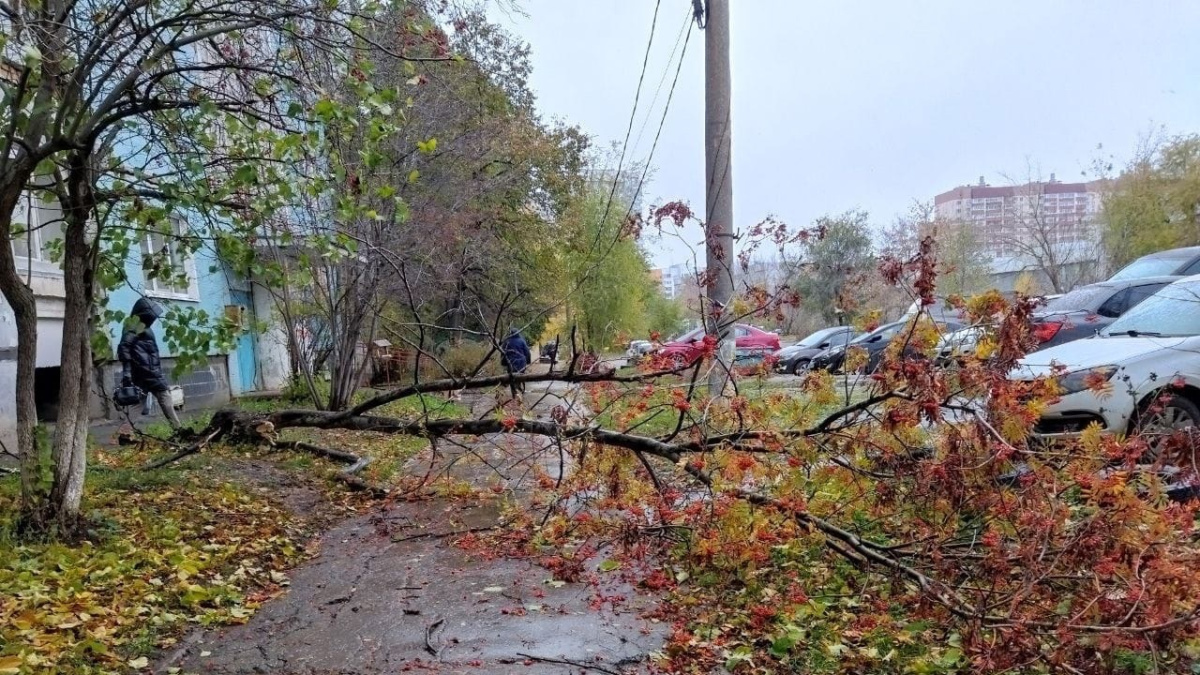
(1151, 353)
(961, 342)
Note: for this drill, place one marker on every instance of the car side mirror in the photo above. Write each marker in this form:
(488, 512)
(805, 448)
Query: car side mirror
(877, 338)
(823, 345)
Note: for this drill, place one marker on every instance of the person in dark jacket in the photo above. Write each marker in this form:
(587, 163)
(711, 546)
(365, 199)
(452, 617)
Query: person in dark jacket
(140, 363)
(515, 356)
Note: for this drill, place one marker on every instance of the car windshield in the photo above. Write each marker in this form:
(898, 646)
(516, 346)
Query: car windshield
(1141, 268)
(1085, 298)
(818, 337)
(1174, 311)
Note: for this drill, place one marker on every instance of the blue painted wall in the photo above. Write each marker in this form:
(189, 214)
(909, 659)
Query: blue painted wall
(212, 289)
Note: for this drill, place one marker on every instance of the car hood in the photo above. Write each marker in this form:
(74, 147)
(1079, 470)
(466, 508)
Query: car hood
(1092, 352)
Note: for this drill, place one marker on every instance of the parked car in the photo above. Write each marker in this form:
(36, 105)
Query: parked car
(939, 311)
(638, 349)
(794, 358)
(958, 344)
(1174, 262)
(1087, 309)
(748, 341)
(875, 343)
(1151, 350)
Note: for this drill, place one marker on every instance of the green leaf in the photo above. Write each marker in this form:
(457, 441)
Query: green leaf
(427, 147)
(324, 108)
(609, 565)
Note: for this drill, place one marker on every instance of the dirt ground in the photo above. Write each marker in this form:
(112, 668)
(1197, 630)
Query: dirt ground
(390, 591)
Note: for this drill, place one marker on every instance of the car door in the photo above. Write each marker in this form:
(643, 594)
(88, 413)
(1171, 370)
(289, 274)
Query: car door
(747, 348)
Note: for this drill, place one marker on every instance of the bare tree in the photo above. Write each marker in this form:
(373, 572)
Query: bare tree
(1053, 232)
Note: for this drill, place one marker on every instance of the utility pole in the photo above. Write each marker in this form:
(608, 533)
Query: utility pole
(718, 177)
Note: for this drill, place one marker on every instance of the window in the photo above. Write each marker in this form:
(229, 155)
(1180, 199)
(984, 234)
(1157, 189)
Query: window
(1194, 268)
(1140, 293)
(1114, 306)
(1169, 313)
(34, 234)
(168, 270)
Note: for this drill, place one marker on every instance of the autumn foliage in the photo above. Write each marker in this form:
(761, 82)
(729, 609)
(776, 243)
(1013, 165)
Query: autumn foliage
(912, 524)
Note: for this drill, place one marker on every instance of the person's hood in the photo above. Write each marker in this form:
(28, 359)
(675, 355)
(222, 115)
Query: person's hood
(1091, 353)
(147, 311)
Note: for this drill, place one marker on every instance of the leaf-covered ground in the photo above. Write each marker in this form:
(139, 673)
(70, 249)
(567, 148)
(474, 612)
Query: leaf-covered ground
(201, 543)
(167, 551)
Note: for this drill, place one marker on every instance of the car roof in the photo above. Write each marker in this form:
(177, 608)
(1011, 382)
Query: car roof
(1139, 281)
(1185, 252)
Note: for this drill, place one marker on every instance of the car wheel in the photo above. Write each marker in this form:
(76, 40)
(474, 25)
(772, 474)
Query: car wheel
(799, 366)
(1160, 420)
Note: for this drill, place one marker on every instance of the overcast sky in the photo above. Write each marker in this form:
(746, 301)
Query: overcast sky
(841, 104)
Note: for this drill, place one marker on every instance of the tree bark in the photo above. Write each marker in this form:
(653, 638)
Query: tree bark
(70, 438)
(24, 307)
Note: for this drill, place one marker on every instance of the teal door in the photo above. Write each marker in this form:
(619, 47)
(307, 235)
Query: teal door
(247, 348)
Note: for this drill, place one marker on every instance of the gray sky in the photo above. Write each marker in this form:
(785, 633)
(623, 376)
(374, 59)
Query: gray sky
(842, 104)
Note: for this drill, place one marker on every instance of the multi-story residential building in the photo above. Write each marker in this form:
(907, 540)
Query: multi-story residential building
(1024, 228)
(676, 277)
(256, 363)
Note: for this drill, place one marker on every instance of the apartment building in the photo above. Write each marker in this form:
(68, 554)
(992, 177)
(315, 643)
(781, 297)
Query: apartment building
(676, 277)
(1006, 219)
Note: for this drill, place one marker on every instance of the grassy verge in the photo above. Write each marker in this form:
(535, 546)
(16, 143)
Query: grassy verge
(167, 550)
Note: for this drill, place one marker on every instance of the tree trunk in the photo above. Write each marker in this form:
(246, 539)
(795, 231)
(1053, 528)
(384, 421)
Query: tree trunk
(70, 438)
(24, 306)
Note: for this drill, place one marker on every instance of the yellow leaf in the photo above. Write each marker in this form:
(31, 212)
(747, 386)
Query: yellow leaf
(139, 662)
(10, 664)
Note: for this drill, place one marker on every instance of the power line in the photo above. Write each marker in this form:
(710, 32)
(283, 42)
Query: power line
(661, 81)
(632, 117)
(662, 121)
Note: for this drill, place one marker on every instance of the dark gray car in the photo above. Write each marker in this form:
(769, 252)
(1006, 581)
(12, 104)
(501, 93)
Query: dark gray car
(1085, 310)
(795, 358)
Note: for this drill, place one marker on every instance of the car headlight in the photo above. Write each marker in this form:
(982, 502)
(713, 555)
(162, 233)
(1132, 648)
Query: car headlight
(1073, 383)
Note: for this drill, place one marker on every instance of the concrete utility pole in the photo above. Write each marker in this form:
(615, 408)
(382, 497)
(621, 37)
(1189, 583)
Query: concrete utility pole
(718, 175)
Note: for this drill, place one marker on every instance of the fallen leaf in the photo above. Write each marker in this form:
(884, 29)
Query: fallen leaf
(139, 662)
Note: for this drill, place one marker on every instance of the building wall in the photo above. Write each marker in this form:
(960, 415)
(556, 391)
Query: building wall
(1000, 215)
(45, 278)
(274, 356)
(209, 291)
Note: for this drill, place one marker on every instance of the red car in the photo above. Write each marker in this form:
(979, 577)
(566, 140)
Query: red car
(749, 341)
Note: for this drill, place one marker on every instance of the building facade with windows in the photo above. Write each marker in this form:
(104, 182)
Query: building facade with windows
(1021, 227)
(33, 249)
(675, 279)
(200, 281)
